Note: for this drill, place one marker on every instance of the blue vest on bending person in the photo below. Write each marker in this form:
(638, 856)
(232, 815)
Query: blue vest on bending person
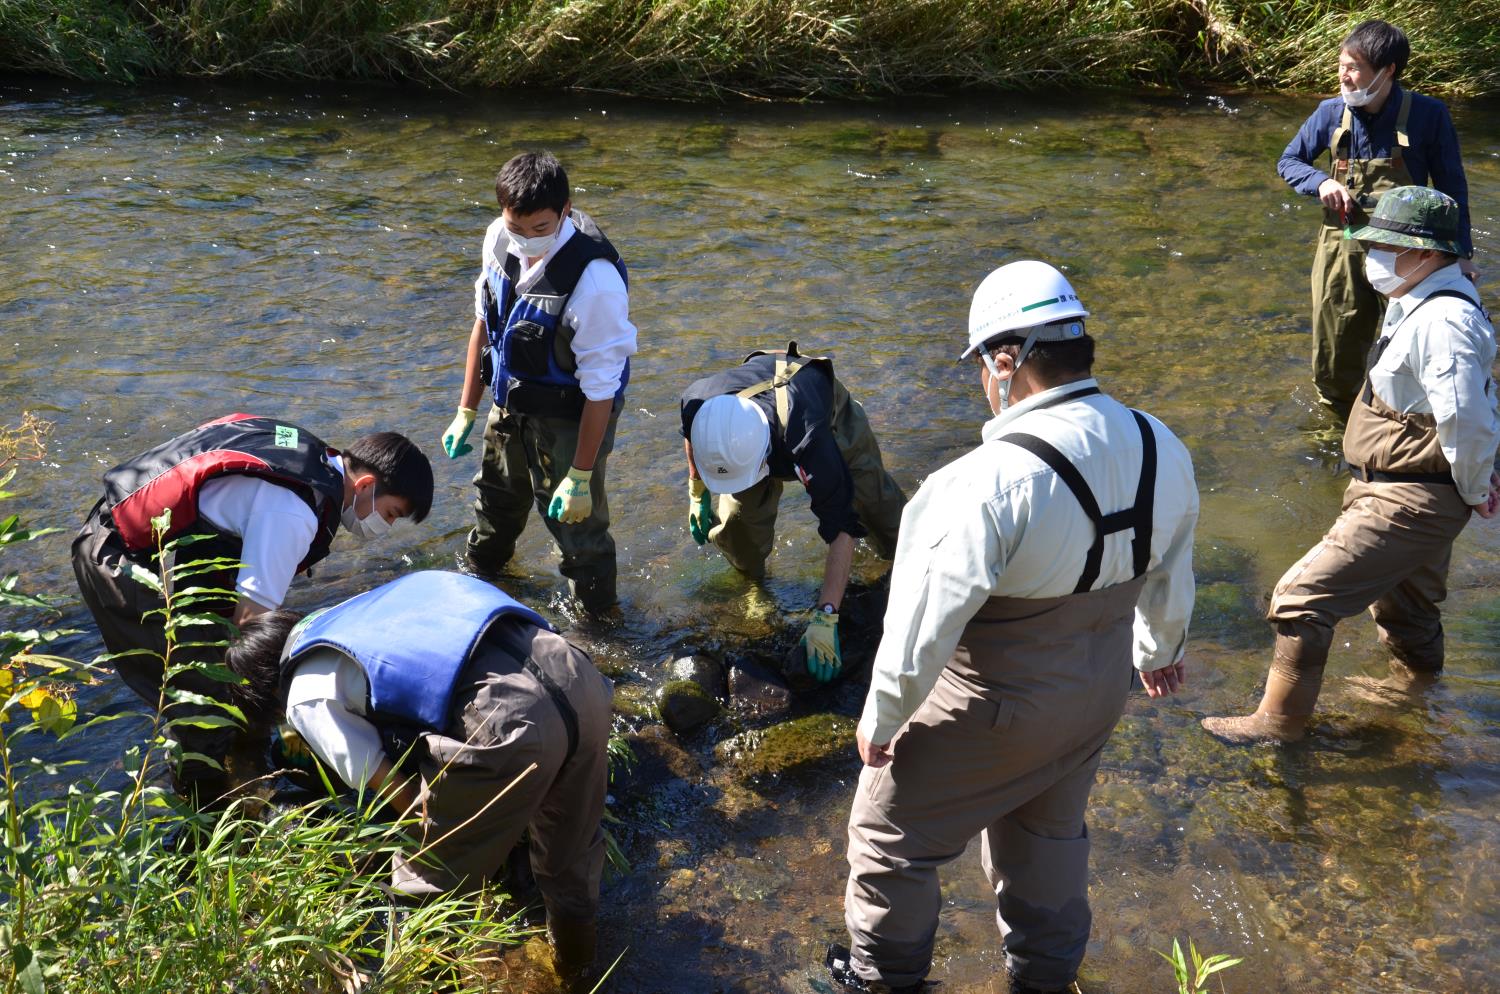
(529, 363)
(412, 637)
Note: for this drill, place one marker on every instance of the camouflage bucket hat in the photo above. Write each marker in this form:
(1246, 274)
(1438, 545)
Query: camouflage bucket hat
(1414, 217)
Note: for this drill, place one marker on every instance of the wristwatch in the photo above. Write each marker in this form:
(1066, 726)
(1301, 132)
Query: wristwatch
(828, 608)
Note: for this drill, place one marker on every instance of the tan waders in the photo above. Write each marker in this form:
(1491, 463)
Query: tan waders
(506, 719)
(1346, 311)
(1006, 746)
(746, 530)
(525, 457)
(1387, 552)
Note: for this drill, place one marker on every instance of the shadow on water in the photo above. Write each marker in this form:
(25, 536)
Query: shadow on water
(176, 253)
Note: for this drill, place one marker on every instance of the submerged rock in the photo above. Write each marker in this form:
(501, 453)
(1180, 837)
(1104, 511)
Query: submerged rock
(757, 691)
(659, 757)
(685, 706)
(800, 744)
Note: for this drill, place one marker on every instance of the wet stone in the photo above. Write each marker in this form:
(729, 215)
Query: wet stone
(685, 706)
(702, 668)
(801, 744)
(749, 879)
(757, 691)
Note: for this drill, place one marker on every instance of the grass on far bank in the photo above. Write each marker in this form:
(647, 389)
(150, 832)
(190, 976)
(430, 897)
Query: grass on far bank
(733, 49)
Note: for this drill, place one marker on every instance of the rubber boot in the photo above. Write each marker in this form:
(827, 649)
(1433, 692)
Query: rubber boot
(1291, 692)
(1019, 986)
(573, 945)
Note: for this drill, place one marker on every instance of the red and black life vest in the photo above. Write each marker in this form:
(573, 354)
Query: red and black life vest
(171, 476)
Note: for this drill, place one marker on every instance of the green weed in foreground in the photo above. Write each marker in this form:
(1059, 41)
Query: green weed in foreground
(718, 49)
(110, 891)
(1192, 976)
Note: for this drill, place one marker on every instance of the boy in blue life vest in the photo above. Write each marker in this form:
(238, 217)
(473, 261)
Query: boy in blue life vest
(553, 339)
(267, 494)
(444, 694)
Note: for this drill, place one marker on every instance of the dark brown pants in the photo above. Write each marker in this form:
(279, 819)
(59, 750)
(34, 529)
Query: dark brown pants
(503, 721)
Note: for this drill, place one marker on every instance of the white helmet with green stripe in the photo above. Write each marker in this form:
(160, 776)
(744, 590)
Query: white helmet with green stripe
(1029, 300)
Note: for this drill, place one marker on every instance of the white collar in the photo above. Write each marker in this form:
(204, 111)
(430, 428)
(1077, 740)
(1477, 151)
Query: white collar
(997, 426)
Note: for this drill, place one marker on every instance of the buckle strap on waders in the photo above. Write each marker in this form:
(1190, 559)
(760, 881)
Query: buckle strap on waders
(788, 364)
(1139, 517)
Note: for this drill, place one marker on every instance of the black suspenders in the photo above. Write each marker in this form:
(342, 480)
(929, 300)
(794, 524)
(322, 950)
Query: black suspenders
(1138, 517)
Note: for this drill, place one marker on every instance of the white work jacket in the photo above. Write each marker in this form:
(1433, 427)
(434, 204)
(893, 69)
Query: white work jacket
(1439, 363)
(998, 522)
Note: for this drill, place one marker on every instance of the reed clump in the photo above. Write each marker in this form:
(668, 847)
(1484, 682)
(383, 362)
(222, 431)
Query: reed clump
(735, 49)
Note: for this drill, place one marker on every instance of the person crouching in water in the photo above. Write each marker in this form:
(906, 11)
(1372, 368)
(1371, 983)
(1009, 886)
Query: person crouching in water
(504, 724)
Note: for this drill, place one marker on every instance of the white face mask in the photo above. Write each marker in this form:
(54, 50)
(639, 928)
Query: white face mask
(535, 247)
(1359, 98)
(1380, 270)
(371, 526)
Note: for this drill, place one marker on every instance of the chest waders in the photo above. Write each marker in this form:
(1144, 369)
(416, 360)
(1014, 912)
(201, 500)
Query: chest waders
(1383, 445)
(1346, 311)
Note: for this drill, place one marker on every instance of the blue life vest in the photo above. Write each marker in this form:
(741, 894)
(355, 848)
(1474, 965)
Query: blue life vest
(529, 363)
(412, 637)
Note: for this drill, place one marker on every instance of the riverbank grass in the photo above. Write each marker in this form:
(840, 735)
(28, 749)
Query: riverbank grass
(718, 49)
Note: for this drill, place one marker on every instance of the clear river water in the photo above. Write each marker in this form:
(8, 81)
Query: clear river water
(169, 254)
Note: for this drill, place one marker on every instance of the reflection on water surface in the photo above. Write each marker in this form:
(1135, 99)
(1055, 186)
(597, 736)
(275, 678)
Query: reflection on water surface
(176, 253)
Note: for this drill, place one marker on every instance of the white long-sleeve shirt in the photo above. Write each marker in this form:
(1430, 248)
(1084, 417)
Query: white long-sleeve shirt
(998, 522)
(325, 703)
(598, 309)
(1439, 363)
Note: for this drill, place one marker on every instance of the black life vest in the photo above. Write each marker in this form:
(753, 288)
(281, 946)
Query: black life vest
(171, 475)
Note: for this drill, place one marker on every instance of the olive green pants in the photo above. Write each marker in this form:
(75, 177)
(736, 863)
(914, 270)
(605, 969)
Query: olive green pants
(525, 458)
(1346, 318)
(747, 520)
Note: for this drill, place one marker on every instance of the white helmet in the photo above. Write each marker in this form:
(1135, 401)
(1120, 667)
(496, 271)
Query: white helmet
(731, 439)
(1030, 299)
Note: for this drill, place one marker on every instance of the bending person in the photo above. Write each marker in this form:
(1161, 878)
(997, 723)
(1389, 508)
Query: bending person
(266, 494)
(777, 417)
(453, 699)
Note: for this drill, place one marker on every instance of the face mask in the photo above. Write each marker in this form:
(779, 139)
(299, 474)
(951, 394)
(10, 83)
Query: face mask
(1358, 98)
(371, 526)
(532, 248)
(1380, 270)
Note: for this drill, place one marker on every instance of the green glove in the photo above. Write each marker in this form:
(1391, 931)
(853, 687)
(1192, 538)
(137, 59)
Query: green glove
(822, 643)
(700, 510)
(572, 501)
(453, 438)
(289, 751)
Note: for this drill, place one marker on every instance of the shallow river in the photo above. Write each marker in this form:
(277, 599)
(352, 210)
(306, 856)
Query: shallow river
(172, 254)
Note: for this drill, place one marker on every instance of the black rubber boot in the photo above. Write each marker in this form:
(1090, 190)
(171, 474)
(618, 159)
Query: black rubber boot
(1019, 986)
(573, 944)
(841, 972)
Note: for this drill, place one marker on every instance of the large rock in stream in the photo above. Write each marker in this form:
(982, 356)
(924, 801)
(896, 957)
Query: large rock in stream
(690, 697)
(793, 746)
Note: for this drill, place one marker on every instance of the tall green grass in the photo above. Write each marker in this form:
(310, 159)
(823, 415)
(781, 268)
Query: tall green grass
(728, 49)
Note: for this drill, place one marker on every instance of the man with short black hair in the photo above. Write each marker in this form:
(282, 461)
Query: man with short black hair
(1421, 445)
(1030, 575)
(1377, 136)
(553, 339)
